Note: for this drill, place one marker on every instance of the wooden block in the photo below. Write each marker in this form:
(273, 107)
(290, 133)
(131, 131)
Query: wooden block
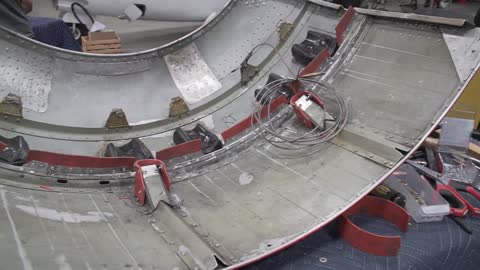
(102, 46)
(88, 42)
(106, 51)
(93, 36)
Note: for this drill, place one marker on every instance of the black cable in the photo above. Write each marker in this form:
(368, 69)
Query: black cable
(72, 7)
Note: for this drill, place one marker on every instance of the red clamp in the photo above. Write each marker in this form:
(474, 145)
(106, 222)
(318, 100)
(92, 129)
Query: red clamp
(302, 117)
(139, 188)
(2, 146)
(372, 243)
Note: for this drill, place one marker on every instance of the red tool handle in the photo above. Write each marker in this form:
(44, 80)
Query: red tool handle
(458, 207)
(459, 186)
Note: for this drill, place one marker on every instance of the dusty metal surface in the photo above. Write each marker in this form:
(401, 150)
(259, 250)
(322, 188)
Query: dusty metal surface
(244, 201)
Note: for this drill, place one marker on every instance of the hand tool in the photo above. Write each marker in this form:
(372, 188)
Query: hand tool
(458, 204)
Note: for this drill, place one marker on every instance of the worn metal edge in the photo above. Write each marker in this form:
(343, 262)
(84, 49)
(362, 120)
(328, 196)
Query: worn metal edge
(397, 15)
(413, 17)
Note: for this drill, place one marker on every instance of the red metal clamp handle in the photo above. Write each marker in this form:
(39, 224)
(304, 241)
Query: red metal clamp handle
(139, 188)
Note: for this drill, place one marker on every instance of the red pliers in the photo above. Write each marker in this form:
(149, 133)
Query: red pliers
(462, 187)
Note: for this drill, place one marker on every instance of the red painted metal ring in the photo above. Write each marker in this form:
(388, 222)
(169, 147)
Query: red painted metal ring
(372, 243)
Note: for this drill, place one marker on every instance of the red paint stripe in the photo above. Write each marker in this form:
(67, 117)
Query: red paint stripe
(247, 122)
(316, 62)
(343, 24)
(46, 188)
(375, 244)
(180, 150)
(80, 161)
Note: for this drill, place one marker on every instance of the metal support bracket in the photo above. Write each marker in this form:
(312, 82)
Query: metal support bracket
(117, 119)
(11, 105)
(178, 107)
(152, 182)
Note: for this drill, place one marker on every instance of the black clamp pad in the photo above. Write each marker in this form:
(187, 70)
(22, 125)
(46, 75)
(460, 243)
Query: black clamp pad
(15, 152)
(315, 42)
(209, 141)
(284, 90)
(135, 148)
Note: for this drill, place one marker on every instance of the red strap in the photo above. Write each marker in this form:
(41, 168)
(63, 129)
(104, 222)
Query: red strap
(180, 150)
(316, 62)
(56, 159)
(370, 242)
(343, 24)
(247, 122)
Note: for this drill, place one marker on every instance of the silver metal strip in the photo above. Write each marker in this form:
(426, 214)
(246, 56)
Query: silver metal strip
(412, 17)
(397, 15)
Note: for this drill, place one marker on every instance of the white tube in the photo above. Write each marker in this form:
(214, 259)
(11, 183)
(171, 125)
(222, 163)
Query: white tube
(161, 10)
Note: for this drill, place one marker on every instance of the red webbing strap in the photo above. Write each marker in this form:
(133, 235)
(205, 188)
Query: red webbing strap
(343, 24)
(372, 243)
(56, 159)
(180, 150)
(247, 122)
(316, 62)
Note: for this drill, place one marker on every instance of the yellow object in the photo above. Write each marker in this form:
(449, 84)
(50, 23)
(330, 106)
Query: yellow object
(469, 101)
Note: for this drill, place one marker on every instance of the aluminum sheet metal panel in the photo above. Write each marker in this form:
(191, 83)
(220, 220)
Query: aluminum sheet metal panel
(238, 204)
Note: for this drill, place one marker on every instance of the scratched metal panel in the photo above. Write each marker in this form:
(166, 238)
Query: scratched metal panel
(267, 197)
(112, 69)
(78, 231)
(398, 78)
(191, 74)
(464, 46)
(27, 74)
(85, 100)
(225, 54)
